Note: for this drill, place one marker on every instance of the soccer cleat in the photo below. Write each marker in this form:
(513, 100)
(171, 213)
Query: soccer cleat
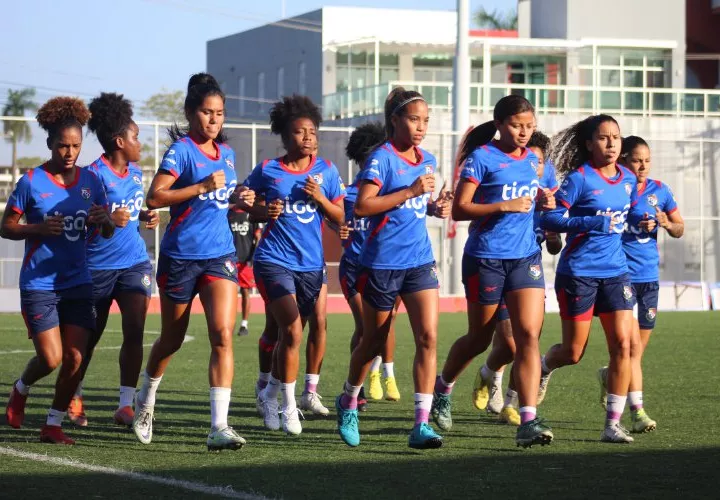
(602, 374)
(442, 411)
(481, 391)
(347, 424)
(270, 412)
(542, 390)
(496, 401)
(509, 415)
(362, 400)
(375, 391)
(291, 421)
(391, 390)
(142, 424)
(124, 416)
(15, 411)
(615, 433)
(53, 434)
(310, 401)
(533, 432)
(243, 332)
(224, 439)
(641, 422)
(76, 412)
(423, 437)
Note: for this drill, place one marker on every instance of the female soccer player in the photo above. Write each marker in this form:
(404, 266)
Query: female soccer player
(488, 381)
(497, 191)
(362, 142)
(395, 193)
(196, 180)
(245, 237)
(60, 201)
(120, 266)
(592, 274)
(653, 207)
(298, 190)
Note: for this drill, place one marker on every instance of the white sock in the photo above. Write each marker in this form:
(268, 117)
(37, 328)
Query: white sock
(146, 396)
(272, 389)
(126, 396)
(635, 399)
(497, 378)
(615, 407)
(375, 366)
(388, 370)
(22, 388)
(55, 417)
(288, 396)
(511, 398)
(219, 407)
(244, 323)
(486, 373)
(544, 366)
(263, 377)
(78, 391)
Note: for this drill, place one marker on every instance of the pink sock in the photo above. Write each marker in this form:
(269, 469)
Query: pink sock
(442, 387)
(527, 413)
(311, 382)
(423, 403)
(348, 401)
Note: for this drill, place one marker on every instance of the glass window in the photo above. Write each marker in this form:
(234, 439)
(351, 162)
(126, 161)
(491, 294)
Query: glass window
(388, 75)
(609, 78)
(633, 78)
(608, 56)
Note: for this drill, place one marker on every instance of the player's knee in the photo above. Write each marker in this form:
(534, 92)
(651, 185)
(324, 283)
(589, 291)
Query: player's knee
(426, 340)
(620, 348)
(51, 359)
(292, 336)
(72, 358)
(574, 355)
(221, 338)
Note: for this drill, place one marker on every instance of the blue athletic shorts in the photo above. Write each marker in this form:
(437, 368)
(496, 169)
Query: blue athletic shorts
(380, 287)
(276, 281)
(348, 277)
(646, 295)
(46, 309)
(180, 280)
(579, 298)
(487, 280)
(136, 279)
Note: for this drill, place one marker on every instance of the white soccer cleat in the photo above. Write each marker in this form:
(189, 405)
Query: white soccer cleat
(542, 390)
(270, 412)
(224, 439)
(496, 401)
(291, 421)
(310, 401)
(142, 425)
(615, 433)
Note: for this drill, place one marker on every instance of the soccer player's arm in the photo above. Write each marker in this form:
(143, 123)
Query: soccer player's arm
(331, 202)
(553, 242)
(372, 178)
(470, 178)
(566, 196)
(12, 228)
(673, 222)
(258, 210)
(172, 166)
(101, 206)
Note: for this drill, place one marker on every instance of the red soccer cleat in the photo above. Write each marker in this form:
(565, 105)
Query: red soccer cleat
(53, 434)
(76, 412)
(15, 411)
(124, 416)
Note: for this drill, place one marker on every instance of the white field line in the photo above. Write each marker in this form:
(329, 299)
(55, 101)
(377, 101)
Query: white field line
(221, 491)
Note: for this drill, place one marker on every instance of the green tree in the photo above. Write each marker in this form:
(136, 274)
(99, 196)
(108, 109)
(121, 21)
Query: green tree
(26, 162)
(18, 103)
(165, 106)
(496, 20)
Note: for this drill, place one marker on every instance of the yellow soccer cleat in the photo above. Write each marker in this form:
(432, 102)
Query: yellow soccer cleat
(391, 390)
(509, 415)
(375, 392)
(641, 422)
(481, 391)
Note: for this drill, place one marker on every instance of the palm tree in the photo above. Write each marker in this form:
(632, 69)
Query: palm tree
(18, 102)
(496, 20)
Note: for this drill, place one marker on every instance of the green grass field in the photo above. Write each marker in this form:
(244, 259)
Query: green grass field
(479, 457)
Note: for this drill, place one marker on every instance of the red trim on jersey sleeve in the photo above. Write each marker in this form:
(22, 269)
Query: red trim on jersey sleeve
(265, 162)
(659, 184)
(268, 227)
(64, 186)
(375, 181)
(573, 244)
(473, 180)
(93, 235)
(338, 198)
(565, 204)
(169, 171)
(30, 253)
(379, 227)
(554, 190)
(30, 174)
(581, 169)
(181, 218)
(17, 210)
(672, 211)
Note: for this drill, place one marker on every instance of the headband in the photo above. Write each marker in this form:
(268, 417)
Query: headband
(406, 101)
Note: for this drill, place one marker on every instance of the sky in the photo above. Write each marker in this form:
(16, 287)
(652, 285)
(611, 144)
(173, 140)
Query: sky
(138, 47)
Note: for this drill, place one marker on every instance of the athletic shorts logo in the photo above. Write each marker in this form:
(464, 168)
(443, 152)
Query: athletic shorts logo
(535, 271)
(229, 267)
(146, 280)
(85, 193)
(652, 200)
(651, 313)
(628, 188)
(627, 292)
(137, 180)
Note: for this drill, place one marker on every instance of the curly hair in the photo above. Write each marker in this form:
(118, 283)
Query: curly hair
(568, 149)
(111, 116)
(629, 144)
(363, 140)
(62, 112)
(289, 109)
(395, 104)
(200, 86)
(540, 141)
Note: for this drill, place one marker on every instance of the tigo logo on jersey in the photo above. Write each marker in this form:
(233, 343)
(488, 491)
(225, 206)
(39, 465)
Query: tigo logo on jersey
(134, 205)
(221, 196)
(305, 211)
(73, 226)
(535, 271)
(511, 192)
(652, 200)
(620, 217)
(85, 193)
(146, 280)
(419, 204)
(243, 228)
(627, 292)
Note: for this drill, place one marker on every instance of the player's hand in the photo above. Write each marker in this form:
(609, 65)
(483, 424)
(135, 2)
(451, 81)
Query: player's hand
(246, 194)
(275, 208)
(662, 218)
(547, 200)
(312, 189)
(647, 224)
(98, 215)
(213, 182)
(52, 226)
(121, 216)
(552, 237)
(152, 219)
(518, 205)
(344, 231)
(423, 184)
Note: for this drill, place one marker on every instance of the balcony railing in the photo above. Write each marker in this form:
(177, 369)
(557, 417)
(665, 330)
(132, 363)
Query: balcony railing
(547, 99)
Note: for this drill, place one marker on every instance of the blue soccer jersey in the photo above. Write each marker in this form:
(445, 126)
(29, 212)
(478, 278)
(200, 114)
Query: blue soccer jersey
(126, 248)
(592, 249)
(360, 225)
(294, 240)
(56, 262)
(549, 179)
(640, 247)
(198, 227)
(501, 177)
(398, 238)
